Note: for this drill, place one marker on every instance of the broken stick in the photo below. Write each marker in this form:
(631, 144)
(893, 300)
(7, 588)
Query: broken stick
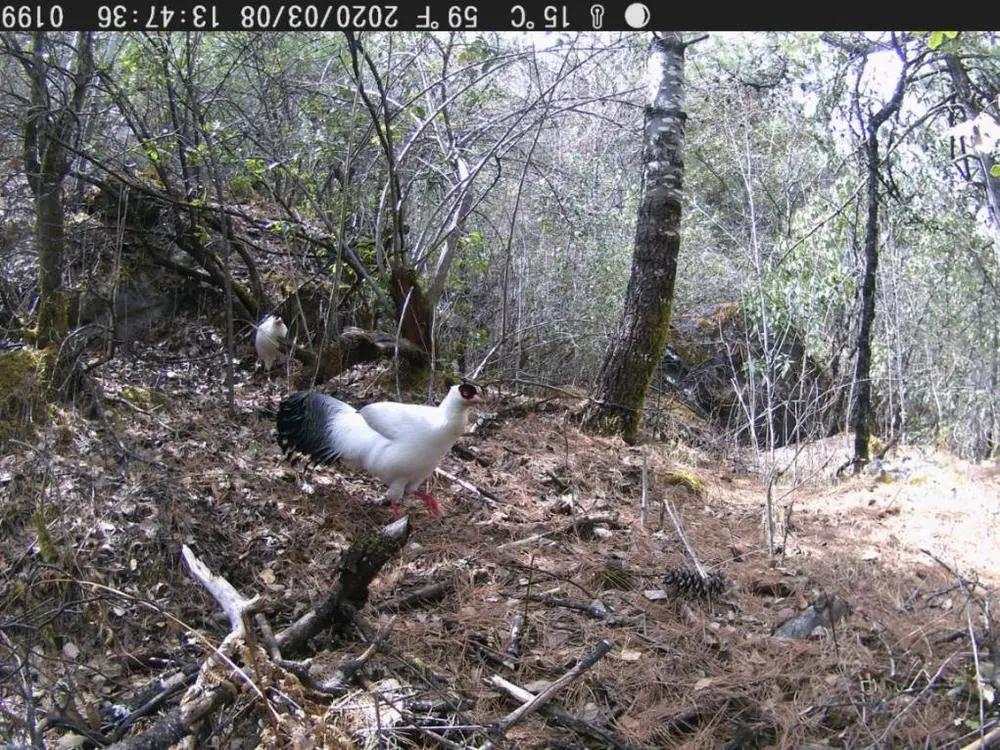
(208, 694)
(524, 711)
(357, 569)
(561, 717)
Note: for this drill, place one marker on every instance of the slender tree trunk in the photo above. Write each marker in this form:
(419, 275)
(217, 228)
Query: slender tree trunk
(861, 420)
(47, 130)
(637, 346)
(861, 416)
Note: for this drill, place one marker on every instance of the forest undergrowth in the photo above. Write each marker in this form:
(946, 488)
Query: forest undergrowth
(544, 550)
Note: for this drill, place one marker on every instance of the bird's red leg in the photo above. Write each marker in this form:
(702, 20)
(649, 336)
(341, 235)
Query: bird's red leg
(432, 505)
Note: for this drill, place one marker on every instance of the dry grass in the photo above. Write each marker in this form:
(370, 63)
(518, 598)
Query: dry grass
(681, 674)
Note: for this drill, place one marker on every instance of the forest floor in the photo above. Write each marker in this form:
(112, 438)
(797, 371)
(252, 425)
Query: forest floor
(94, 516)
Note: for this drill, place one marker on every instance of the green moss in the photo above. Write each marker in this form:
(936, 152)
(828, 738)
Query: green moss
(682, 478)
(46, 546)
(875, 445)
(370, 545)
(53, 318)
(144, 398)
(23, 391)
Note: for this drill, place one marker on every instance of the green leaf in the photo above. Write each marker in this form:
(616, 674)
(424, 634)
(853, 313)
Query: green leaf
(995, 170)
(936, 39)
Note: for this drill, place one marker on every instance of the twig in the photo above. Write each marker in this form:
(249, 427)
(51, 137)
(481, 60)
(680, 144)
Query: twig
(645, 489)
(490, 498)
(594, 609)
(680, 532)
(524, 711)
(930, 684)
(979, 674)
(340, 680)
(443, 741)
(769, 511)
(965, 584)
(577, 524)
(233, 603)
(985, 742)
(481, 647)
(559, 716)
(423, 595)
(527, 540)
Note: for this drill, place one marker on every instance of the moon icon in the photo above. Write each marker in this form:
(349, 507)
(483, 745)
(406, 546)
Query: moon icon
(637, 15)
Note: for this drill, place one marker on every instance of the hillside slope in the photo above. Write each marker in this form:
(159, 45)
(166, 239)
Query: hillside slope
(94, 517)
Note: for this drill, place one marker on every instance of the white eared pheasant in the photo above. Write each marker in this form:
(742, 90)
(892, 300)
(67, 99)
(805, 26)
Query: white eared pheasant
(401, 444)
(271, 334)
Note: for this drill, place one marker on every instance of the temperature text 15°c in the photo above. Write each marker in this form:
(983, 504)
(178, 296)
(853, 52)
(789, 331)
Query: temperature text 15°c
(553, 17)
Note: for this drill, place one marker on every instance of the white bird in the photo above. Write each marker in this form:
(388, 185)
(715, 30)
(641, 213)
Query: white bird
(271, 334)
(401, 444)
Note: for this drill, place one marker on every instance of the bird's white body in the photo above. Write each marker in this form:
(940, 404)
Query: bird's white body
(271, 334)
(401, 444)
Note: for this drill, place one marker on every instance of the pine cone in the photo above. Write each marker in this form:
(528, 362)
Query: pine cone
(689, 583)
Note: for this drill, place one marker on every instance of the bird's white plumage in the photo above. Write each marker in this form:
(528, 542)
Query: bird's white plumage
(401, 444)
(271, 334)
(396, 421)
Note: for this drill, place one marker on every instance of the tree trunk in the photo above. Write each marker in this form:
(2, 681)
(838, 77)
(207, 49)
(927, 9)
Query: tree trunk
(53, 315)
(861, 416)
(413, 314)
(636, 348)
(47, 131)
(861, 419)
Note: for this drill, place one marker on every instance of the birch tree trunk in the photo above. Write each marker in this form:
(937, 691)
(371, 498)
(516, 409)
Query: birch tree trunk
(637, 346)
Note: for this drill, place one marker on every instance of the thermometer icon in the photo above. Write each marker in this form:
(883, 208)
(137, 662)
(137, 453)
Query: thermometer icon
(597, 15)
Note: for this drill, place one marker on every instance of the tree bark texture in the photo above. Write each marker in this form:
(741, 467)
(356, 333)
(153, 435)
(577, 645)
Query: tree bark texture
(637, 346)
(50, 124)
(413, 311)
(861, 416)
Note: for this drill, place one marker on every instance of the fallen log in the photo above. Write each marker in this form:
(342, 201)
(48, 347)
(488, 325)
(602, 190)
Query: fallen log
(357, 569)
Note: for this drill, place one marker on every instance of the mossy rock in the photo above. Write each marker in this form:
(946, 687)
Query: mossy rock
(681, 478)
(24, 392)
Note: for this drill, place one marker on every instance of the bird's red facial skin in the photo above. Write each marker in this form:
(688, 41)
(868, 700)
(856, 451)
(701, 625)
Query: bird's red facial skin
(469, 392)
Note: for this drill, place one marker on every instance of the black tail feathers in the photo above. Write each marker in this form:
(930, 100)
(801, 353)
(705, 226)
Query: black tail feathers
(303, 426)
